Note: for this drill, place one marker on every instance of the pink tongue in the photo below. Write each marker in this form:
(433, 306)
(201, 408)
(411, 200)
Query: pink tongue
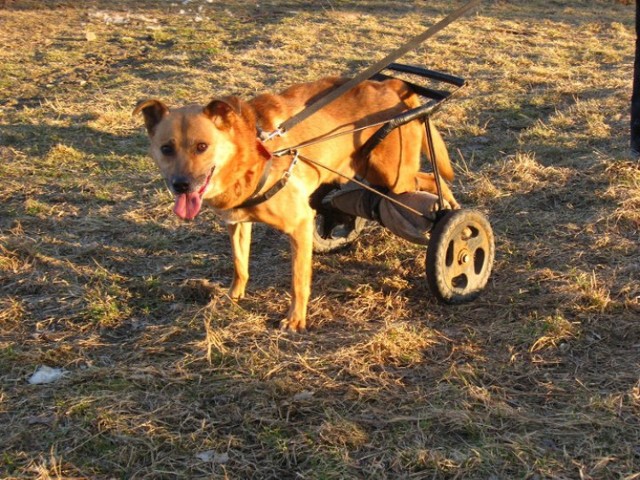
(187, 205)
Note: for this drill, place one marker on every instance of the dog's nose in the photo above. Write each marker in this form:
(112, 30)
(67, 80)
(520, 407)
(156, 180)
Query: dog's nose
(180, 185)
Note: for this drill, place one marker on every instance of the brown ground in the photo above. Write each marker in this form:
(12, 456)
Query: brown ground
(538, 378)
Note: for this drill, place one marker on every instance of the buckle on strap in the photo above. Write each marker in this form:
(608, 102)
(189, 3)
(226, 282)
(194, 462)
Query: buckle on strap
(257, 198)
(293, 163)
(266, 136)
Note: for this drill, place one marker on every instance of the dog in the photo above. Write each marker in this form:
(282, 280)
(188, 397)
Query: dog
(211, 155)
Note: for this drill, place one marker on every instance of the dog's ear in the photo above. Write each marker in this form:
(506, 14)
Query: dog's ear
(222, 110)
(154, 111)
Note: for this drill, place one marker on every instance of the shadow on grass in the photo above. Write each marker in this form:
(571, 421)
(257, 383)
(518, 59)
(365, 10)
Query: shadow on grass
(38, 140)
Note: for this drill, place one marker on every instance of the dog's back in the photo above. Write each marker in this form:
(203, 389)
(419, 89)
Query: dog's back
(273, 109)
(395, 163)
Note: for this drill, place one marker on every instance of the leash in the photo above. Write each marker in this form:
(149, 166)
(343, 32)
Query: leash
(369, 72)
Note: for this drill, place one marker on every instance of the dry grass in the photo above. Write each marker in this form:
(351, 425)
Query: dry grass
(167, 378)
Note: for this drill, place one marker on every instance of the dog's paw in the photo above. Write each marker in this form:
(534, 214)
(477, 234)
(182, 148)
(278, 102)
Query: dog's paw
(289, 325)
(449, 203)
(236, 293)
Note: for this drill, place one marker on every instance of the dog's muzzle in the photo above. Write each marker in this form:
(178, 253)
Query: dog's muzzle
(180, 185)
(187, 201)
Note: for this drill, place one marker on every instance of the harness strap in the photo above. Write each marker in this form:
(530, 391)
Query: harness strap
(256, 199)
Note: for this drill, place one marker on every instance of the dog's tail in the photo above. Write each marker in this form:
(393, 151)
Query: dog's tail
(411, 100)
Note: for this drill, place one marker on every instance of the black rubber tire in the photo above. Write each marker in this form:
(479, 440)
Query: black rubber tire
(340, 236)
(460, 256)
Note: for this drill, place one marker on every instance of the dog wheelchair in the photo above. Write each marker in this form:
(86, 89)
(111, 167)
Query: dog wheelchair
(460, 243)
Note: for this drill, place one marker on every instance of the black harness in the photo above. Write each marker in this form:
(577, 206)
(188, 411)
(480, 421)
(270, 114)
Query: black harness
(256, 197)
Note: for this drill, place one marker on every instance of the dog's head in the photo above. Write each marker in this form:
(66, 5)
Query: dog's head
(198, 148)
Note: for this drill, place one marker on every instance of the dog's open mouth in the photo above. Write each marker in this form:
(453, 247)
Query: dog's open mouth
(188, 204)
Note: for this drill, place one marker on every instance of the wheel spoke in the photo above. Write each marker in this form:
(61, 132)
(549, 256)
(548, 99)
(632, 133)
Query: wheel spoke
(458, 269)
(476, 242)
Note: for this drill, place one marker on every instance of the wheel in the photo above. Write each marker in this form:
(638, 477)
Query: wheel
(460, 256)
(331, 234)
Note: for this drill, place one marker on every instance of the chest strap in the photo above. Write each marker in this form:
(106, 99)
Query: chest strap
(257, 198)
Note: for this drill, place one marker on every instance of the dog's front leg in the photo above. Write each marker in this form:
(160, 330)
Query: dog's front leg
(240, 235)
(301, 257)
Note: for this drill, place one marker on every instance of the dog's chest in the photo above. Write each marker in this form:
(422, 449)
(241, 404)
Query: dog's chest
(232, 216)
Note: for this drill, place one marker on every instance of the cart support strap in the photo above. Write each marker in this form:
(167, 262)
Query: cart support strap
(355, 200)
(373, 69)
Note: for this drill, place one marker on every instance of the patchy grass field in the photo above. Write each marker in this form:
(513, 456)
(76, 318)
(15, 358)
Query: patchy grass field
(165, 378)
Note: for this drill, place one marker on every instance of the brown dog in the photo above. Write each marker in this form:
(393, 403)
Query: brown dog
(211, 154)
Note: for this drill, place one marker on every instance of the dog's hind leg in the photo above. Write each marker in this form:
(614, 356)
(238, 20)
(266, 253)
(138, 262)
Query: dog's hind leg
(426, 182)
(240, 235)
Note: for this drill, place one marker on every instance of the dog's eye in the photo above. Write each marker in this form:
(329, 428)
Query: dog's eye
(167, 149)
(201, 147)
